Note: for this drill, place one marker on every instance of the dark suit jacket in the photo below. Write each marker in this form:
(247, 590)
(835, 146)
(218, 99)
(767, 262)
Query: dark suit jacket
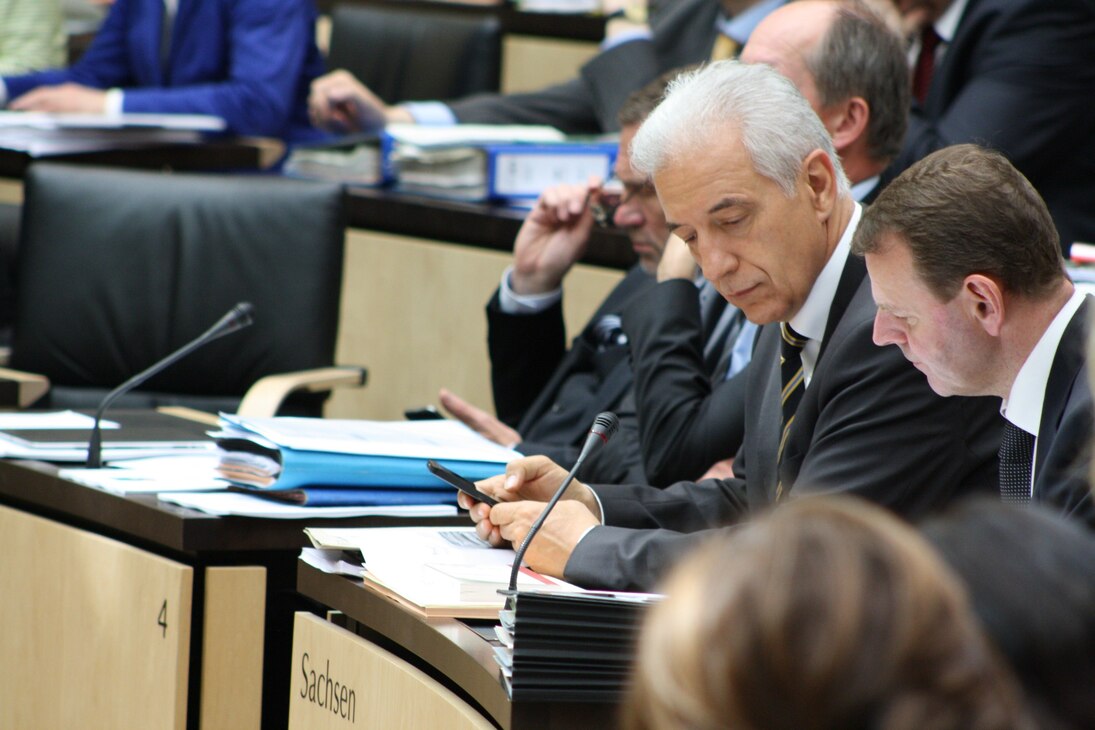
(1064, 433)
(250, 62)
(1019, 76)
(686, 423)
(683, 33)
(868, 425)
(551, 394)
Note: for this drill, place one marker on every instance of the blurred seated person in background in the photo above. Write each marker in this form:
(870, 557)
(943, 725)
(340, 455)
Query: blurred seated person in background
(635, 51)
(748, 178)
(1031, 579)
(828, 614)
(850, 66)
(1016, 76)
(546, 396)
(249, 62)
(967, 272)
(31, 36)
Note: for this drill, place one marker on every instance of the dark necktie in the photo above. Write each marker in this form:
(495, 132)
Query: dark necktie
(790, 370)
(1016, 455)
(925, 63)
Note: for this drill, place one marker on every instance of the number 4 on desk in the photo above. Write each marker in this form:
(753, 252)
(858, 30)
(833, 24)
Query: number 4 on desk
(162, 618)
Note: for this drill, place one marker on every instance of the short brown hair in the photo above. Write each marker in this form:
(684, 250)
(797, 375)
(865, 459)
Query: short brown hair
(966, 210)
(638, 105)
(826, 613)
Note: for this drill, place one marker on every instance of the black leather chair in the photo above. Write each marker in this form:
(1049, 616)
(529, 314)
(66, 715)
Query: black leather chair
(118, 268)
(408, 53)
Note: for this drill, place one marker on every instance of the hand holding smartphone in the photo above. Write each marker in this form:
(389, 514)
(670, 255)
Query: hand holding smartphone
(460, 483)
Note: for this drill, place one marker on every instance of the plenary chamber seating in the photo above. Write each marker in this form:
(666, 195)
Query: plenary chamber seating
(118, 268)
(414, 53)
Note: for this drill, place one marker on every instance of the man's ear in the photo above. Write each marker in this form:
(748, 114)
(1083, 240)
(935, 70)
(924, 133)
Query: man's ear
(847, 121)
(984, 302)
(821, 180)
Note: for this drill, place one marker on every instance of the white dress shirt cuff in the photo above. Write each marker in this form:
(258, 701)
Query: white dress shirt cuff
(513, 303)
(433, 113)
(115, 99)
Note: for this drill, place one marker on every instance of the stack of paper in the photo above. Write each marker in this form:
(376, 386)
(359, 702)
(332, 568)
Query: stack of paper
(570, 647)
(330, 461)
(434, 571)
(487, 162)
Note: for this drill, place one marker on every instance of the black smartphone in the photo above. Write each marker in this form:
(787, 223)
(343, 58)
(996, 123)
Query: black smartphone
(459, 482)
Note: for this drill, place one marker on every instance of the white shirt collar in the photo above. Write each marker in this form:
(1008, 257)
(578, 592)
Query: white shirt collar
(946, 25)
(1023, 406)
(741, 26)
(863, 187)
(811, 319)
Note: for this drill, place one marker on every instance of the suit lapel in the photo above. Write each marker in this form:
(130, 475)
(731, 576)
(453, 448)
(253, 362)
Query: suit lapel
(1066, 367)
(801, 433)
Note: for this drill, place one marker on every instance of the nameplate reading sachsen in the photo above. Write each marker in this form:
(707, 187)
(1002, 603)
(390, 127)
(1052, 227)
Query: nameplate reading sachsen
(325, 691)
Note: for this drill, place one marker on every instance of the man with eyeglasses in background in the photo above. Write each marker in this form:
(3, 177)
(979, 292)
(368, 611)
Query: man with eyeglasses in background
(546, 395)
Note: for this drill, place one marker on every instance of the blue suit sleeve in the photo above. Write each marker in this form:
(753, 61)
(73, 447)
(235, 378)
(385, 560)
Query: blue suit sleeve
(269, 41)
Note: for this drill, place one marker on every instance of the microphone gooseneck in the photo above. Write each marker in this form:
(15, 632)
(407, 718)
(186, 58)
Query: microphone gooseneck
(604, 427)
(237, 318)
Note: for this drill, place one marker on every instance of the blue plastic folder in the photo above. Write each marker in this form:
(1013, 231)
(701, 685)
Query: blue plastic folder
(303, 468)
(351, 496)
(342, 462)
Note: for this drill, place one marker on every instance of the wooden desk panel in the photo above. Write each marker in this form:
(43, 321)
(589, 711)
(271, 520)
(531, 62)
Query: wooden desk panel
(413, 312)
(447, 650)
(93, 633)
(242, 575)
(368, 686)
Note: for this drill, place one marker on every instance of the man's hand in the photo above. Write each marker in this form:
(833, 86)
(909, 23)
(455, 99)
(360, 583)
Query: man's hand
(63, 99)
(534, 478)
(479, 420)
(720, 470)
(551, 548)
(676, 261)
(553, 237)
(341, 103)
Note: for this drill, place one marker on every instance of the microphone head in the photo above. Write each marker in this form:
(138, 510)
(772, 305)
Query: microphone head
(243, 314)
(605, 425)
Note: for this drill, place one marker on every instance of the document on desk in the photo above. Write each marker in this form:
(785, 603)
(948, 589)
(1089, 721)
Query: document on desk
(435, 571)
(45, 120)
(186, 473)
(235, 504)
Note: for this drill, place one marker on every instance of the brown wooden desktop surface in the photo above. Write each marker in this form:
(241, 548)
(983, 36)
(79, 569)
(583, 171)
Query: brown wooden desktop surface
(446, 649)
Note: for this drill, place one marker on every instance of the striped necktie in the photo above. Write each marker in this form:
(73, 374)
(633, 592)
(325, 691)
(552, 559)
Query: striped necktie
(791, 376)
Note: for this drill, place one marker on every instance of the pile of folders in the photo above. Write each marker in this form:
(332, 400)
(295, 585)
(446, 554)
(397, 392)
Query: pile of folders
(569, 647)
(325, 462)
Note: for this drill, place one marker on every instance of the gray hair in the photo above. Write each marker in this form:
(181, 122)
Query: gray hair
(778, 127)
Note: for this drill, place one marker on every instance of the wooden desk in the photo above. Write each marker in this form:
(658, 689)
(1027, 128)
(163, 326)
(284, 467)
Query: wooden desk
(125, 612)
(219, 154)
(417, 276)
(431, 663)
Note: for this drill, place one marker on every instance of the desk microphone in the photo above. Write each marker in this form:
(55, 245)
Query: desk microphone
(604, 426)
(237, 318)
